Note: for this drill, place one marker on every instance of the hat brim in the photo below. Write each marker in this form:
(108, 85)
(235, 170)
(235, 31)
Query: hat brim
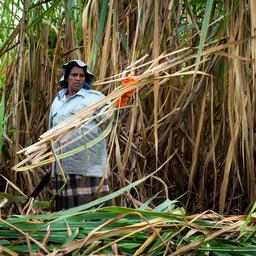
(75, 63)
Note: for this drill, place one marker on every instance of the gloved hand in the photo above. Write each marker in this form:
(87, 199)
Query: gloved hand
(130, 80)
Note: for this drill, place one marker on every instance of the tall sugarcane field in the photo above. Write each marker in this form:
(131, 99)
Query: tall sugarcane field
(180, 152)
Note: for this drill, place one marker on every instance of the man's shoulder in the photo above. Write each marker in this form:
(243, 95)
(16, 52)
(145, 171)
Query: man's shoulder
(95, 93)
(60, 94)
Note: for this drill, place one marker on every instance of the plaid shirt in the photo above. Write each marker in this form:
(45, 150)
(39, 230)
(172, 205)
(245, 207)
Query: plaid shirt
(91, 161)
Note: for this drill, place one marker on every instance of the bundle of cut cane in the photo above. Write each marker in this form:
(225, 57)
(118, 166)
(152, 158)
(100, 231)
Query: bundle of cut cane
(164, 230)
(43, 152)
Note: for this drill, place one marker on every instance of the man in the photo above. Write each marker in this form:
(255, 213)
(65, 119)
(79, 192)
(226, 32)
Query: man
(83, 170)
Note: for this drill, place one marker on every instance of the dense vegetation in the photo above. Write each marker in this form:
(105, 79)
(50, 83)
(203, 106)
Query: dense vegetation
(189, 129)
(201, 109)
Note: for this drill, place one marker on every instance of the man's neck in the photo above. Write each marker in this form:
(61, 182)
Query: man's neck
(70, 93)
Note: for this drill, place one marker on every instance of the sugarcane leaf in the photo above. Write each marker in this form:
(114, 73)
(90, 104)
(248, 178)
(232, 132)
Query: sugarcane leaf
(2, 111)
(99, 33)
(3, 202)
(48, 10)
(150, 200)
(166, 206)
(18, 199)
(205, 24)
(248, 218)
(72, 237)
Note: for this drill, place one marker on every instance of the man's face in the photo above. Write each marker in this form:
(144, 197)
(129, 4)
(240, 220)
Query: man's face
(76, 80)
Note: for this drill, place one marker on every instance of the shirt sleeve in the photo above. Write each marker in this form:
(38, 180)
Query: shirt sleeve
(101, 112)
(50, 120)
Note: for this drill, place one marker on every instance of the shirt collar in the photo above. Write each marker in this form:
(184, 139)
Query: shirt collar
(64, 91)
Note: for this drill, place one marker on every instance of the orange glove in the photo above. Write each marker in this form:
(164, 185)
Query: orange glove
(125, 97)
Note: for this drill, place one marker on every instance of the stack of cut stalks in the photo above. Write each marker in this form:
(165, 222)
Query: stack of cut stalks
(165, 230)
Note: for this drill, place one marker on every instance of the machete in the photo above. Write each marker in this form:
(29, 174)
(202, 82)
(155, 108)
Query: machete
(40, 186)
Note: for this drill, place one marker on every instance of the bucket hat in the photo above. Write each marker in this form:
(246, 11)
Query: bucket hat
(76, 63)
